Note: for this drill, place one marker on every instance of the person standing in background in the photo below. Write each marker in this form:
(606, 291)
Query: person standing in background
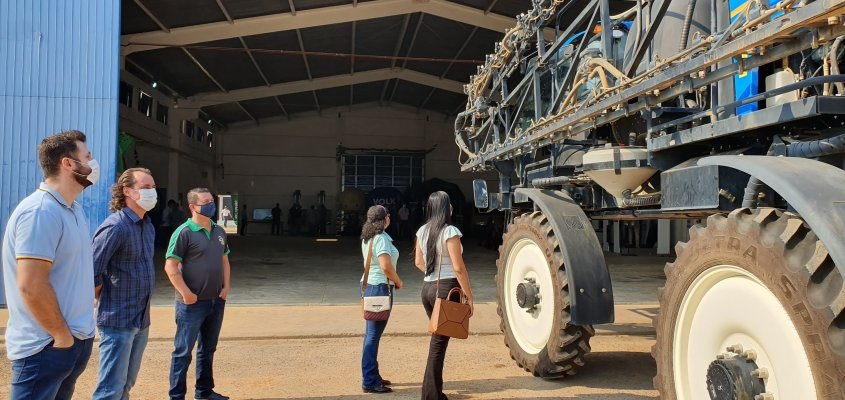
(198, 267)
(311, 218)
(226, 214)
(48, 270)
(242, 221)
(404, 218)
(124, 275)
(276, 222)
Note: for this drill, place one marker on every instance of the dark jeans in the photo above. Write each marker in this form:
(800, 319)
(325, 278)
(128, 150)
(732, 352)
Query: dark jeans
(195, 323)
(370, 376)
(432, 385)
(50, 373)
(275, 227)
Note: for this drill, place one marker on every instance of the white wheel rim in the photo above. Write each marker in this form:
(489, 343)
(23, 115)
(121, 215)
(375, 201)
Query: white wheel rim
(530, 329)
(724, 306)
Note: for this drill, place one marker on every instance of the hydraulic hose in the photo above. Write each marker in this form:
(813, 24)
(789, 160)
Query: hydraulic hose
(811, 149)
(687, 24)
(817, 148)
(630, 201)
(834, 64)
(749, 198)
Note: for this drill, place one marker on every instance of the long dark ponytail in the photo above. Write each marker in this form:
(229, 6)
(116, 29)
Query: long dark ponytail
(439, 213)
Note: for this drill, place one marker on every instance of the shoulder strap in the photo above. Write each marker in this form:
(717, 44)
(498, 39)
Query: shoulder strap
(367, 266)
(440, 260)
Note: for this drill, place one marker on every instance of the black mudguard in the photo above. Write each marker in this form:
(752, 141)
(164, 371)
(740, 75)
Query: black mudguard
(590, 290)
(814, 189)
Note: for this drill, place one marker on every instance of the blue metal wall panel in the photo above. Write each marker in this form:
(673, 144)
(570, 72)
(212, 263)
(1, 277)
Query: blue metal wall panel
(59, 70)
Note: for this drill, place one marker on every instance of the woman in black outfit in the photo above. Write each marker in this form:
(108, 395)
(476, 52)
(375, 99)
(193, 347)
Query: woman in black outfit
(432, 260)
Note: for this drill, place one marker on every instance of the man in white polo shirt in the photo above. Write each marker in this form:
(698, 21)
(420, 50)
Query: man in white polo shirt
(48, 273)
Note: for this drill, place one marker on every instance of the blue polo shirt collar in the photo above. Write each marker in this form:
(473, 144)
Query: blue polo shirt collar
(45, 187)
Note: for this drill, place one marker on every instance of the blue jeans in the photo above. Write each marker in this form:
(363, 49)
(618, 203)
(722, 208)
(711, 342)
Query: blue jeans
(50, 373)
(121, 350)
(195, 323)
(372, 336)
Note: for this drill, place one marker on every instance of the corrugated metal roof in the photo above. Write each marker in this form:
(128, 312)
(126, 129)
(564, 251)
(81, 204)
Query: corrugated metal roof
(60, 71)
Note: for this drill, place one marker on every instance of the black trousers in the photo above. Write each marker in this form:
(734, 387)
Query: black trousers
(432, 386)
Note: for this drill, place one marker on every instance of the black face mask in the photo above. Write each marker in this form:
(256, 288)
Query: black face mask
(81, 175)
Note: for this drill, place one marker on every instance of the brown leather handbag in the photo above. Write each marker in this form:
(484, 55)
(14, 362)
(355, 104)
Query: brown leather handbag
(449, 318)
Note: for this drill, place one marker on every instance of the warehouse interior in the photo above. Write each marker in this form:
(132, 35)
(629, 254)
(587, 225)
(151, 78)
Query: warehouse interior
(277, 102)
(283, 101)
(264, 98)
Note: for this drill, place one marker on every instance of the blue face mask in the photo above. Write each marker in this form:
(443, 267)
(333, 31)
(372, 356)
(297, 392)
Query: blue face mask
(208, 210)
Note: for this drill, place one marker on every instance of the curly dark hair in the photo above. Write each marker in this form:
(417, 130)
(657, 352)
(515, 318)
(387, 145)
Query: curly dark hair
(376, 221)
(126, 180)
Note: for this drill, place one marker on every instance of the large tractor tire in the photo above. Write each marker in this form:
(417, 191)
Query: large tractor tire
(752, 309)
(533, 301)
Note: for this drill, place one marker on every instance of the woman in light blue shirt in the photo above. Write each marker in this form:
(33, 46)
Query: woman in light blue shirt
(439, 251)
(382, 275)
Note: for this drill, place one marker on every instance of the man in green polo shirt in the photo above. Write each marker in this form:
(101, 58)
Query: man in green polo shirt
(198, 267)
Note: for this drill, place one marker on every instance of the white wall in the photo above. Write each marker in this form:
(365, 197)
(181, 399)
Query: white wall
(265, 163)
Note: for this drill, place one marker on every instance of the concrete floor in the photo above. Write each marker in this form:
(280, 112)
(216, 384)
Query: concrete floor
(296, 271)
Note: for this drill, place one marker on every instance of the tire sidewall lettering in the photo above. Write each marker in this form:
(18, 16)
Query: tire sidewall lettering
(751, 251)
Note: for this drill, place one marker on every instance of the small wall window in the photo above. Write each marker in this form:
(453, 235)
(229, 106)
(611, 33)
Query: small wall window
(188, 128)
(145, 104)
(125, 94)
(161, 113)
(200, 134)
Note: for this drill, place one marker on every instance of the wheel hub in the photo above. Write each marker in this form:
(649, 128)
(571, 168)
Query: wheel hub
(528, 294)
(736, 376)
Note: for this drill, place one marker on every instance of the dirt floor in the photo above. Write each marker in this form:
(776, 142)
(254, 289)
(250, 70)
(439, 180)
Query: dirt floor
(292, 330)
(477, 368)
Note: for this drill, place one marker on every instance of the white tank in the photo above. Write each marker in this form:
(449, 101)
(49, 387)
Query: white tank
(617, 169)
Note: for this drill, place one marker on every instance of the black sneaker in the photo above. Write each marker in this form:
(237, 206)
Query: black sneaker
(213, 396)
(378, 389)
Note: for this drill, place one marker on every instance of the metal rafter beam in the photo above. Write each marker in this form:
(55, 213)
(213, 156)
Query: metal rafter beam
(248, 114)
(352, 59)
(316, 17)
(225, 11)
(490, 7)
(304, 56)
(460, 51)
(352, 64)
(152, 16)
(292, 7)
(261, 72)
(376, 75)
(205, 71)
(396, 49)
(407, 54)
(427, 98)
(282, 106)
(307, 67)
(449, 67)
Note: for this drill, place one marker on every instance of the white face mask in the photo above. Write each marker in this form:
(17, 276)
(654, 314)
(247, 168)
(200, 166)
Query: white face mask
(148, 198)
(94, 176)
